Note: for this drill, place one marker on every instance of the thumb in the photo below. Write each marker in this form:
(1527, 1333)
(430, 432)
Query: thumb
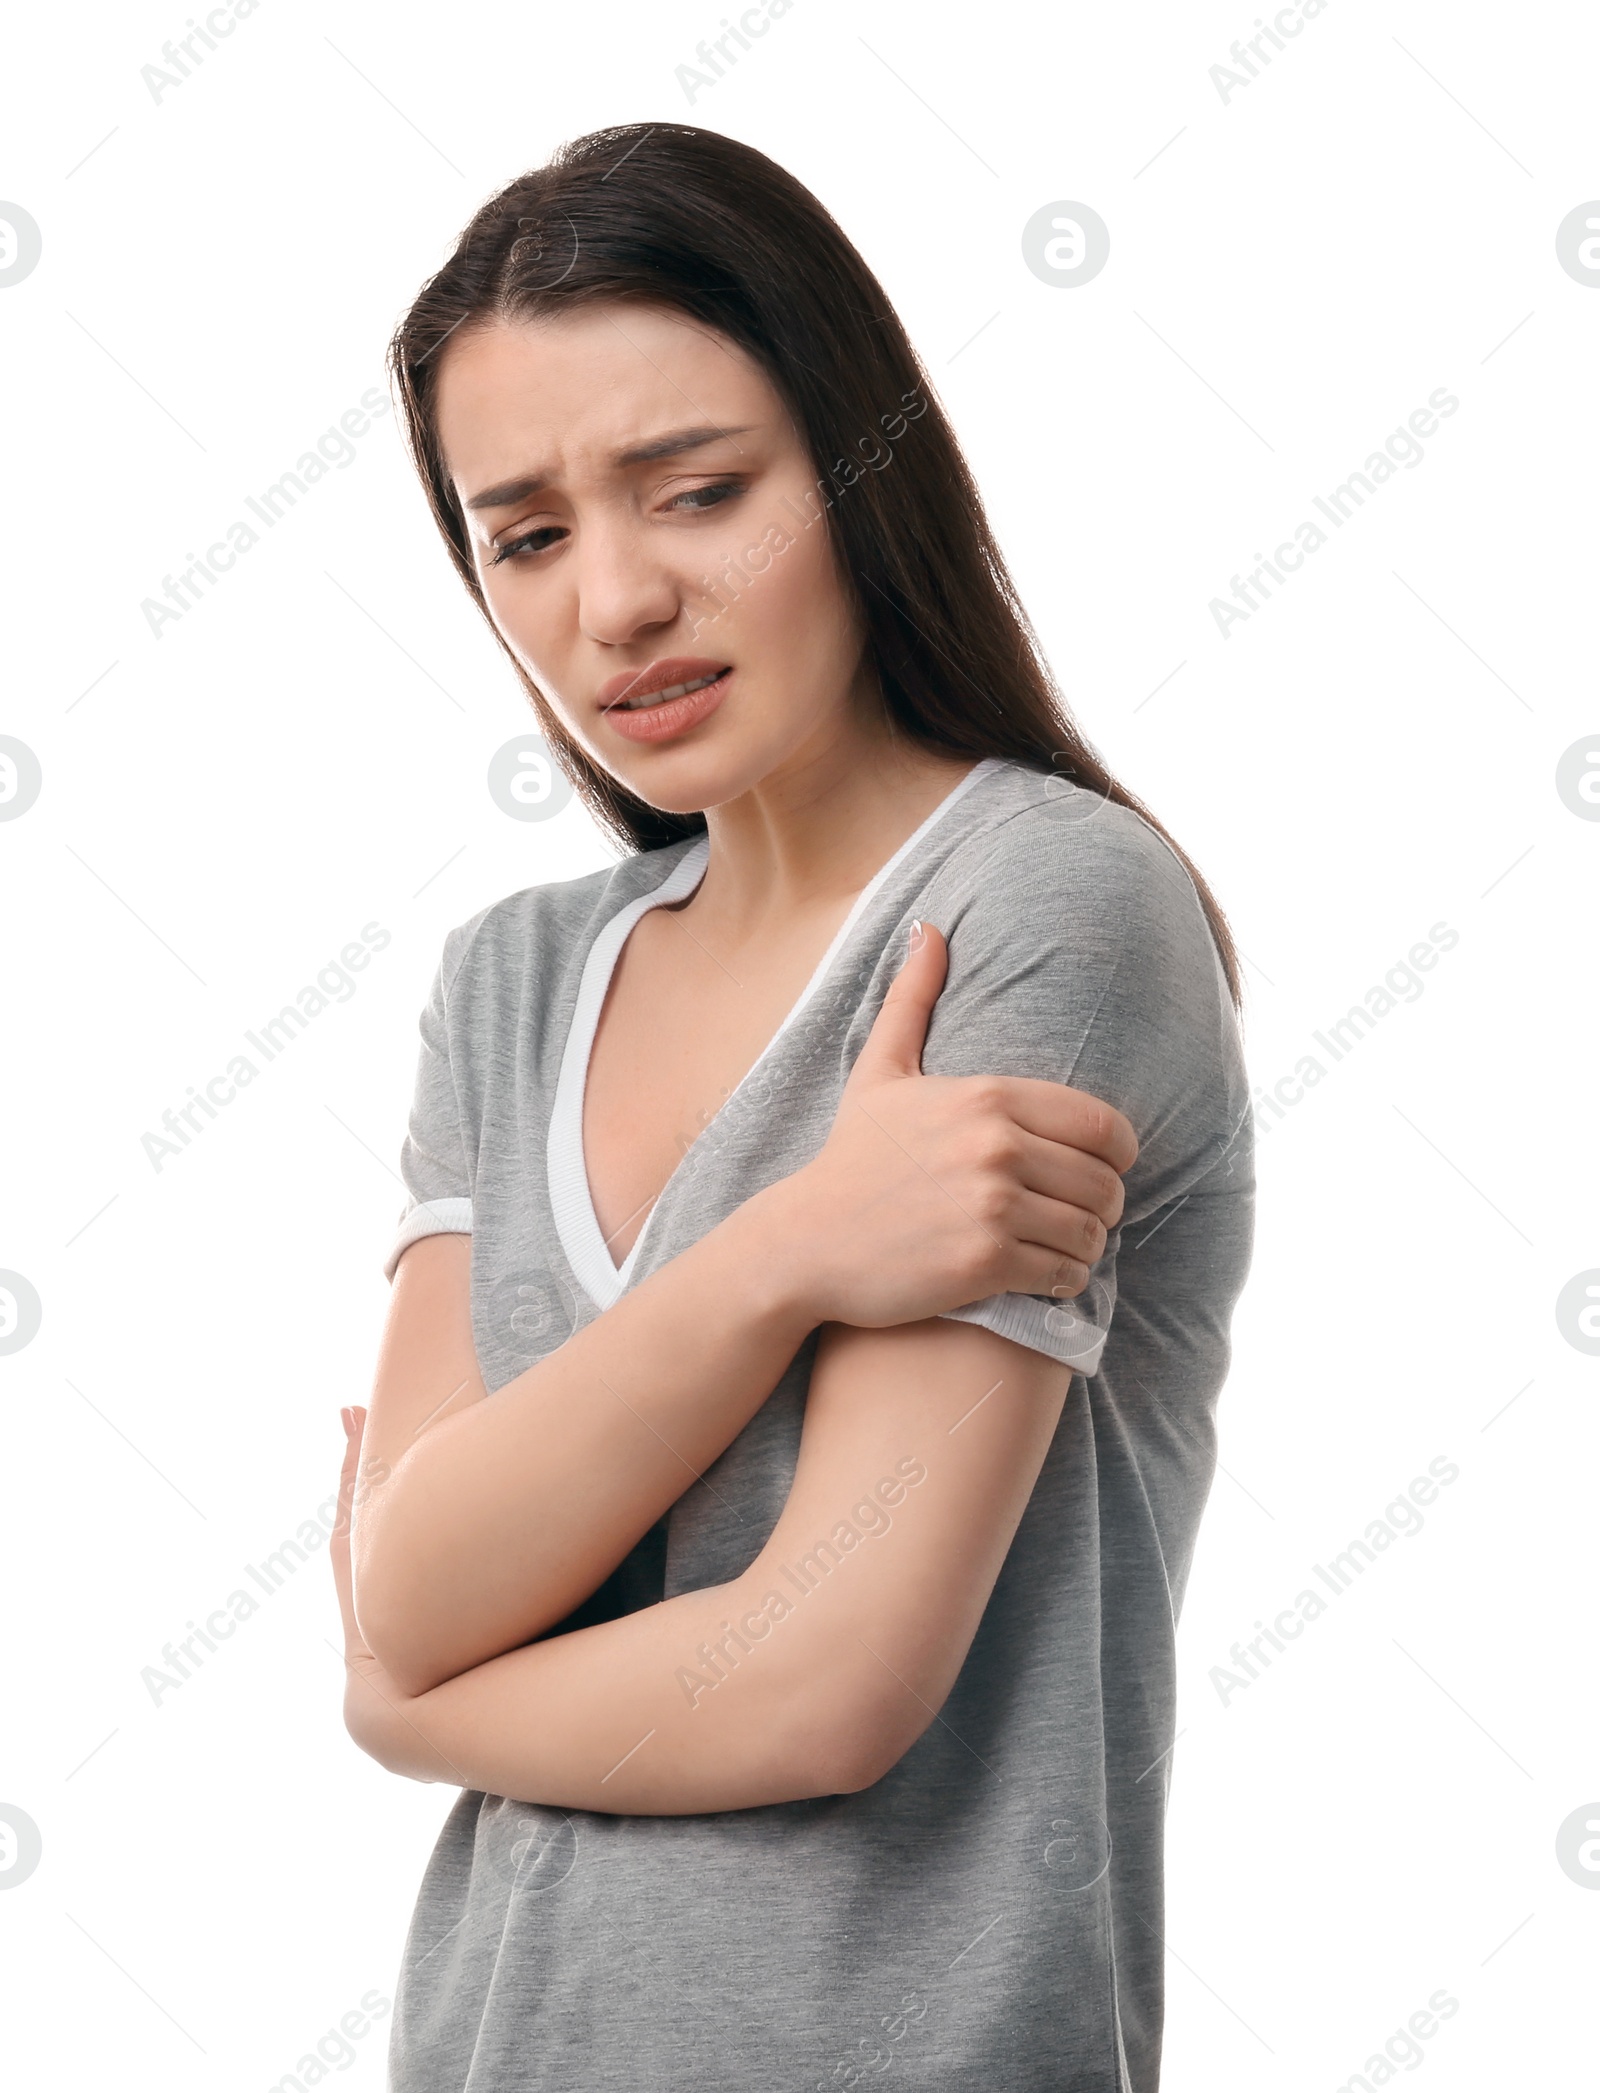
(894, 1045)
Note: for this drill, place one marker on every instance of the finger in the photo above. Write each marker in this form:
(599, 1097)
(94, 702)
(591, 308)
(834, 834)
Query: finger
(894, 1045)
(1042, 1268)
(1058, 1112)
(1071, 1175)
(347, 1472)
(1042, 1246)
(1043, 1271)
(1055, 1226)
(1034, 1227)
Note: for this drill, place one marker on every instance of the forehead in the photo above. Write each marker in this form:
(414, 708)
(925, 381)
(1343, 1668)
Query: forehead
(562, 395)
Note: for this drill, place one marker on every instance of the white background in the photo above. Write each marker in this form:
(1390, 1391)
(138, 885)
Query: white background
(1292, 272)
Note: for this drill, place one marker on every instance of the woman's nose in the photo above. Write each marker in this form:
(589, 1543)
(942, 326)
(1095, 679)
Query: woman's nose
(623, 591)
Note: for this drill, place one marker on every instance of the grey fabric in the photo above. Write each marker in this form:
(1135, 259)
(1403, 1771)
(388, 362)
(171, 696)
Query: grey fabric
(990, 1913)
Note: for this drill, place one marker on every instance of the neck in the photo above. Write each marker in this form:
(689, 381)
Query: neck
(811, 836)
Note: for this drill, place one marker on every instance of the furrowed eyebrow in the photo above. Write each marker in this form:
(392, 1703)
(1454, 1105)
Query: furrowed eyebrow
(671, 445)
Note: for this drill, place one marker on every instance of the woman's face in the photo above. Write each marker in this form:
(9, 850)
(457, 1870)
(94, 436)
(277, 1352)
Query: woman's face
(643, 514)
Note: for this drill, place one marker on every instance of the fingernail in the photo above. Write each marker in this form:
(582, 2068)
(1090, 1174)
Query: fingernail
(917, 937)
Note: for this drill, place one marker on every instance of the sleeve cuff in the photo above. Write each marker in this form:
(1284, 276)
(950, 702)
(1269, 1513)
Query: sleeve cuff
(1041, 1325)
(431, 1217)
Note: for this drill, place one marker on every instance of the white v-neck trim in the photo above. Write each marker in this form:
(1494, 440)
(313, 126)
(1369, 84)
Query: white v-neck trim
(571, 1203)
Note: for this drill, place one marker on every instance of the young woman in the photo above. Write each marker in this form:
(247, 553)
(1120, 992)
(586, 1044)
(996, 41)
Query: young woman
(797, 1616)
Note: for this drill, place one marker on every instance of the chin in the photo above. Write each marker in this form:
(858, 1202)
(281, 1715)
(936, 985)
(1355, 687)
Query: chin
(688, 780)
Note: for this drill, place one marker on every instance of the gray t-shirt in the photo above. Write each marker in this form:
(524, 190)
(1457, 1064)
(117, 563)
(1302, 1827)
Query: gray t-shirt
(990, 1913)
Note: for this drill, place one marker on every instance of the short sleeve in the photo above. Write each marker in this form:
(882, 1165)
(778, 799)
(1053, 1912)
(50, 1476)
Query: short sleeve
(1080, 953)
(434, 1157)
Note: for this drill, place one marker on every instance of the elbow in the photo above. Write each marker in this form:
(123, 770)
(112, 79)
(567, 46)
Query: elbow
(847, 1719)
(359, 1729)
(379, 1741)
(400, 1657)
(393, 1625)
(855, 1741)
(881, 1746)
(395, 1605)
(409, 1630)
(367, 1723)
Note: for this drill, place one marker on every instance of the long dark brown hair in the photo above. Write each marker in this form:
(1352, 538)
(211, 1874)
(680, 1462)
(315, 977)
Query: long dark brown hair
(677, 217)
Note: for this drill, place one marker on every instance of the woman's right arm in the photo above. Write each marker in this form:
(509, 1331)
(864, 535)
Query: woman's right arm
(496, 1517)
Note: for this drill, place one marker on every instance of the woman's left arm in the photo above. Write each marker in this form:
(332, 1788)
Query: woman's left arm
(813, 1672)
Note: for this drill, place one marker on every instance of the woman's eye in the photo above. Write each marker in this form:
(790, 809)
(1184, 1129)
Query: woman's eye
(707, 497)
(528, 542)
(696, 498)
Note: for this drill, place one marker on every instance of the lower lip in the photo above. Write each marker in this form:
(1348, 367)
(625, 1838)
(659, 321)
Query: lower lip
(673, 716)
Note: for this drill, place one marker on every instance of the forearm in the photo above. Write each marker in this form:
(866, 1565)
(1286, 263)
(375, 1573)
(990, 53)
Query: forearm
(494, 1522)
(620, 1717)
(816, 1669)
